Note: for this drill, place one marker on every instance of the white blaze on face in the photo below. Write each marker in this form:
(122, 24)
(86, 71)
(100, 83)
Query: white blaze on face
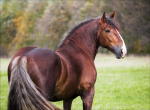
(124, 49)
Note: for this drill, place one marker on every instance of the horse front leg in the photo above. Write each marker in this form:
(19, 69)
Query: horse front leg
(87, 99)
(67, 104)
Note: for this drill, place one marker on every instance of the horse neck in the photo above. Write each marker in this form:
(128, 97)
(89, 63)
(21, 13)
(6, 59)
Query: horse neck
(85, 39)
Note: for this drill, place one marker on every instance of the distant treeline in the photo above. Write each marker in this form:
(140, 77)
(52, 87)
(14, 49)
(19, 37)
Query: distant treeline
(44, 23)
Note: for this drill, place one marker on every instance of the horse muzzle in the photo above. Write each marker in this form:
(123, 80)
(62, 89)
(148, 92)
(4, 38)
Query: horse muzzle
(120, 52)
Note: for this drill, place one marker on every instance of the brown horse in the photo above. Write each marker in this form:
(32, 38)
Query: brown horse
(38, 75)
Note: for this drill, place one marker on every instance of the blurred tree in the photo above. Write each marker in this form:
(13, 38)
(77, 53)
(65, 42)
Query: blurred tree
(75, 13)
(26, 23)
(10, 10)
(91, 9)
(57, 18)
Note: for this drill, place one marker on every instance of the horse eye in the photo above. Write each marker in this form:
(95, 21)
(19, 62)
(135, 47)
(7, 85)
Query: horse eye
(107, 31)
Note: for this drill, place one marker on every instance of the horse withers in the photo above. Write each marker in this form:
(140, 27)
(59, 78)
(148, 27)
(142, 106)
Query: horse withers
(38, 75)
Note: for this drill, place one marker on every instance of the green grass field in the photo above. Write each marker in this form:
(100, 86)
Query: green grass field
(121, 84)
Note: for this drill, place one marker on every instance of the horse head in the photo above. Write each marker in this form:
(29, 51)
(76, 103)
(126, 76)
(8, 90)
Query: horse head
(109, 36)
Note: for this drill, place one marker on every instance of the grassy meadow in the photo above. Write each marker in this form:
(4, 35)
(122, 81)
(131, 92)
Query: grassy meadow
(121, 84)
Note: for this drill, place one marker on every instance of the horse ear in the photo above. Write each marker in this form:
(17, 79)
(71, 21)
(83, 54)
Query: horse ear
(103, 18)
(112, 15)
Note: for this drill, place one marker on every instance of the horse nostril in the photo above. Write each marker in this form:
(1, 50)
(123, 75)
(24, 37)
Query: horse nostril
(121, 52)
